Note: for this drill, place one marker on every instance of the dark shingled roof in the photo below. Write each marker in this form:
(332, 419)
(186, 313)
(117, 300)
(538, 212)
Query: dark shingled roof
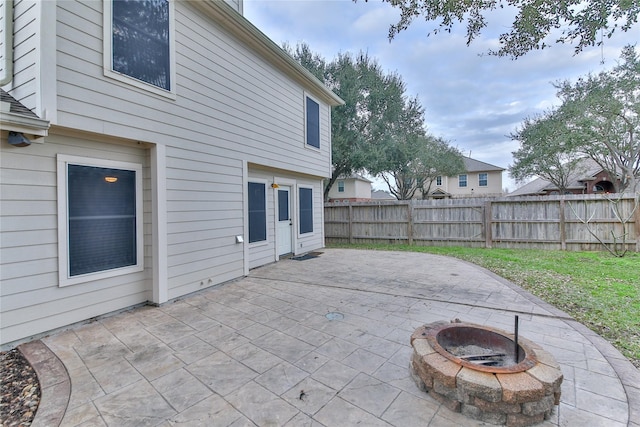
(16, 106)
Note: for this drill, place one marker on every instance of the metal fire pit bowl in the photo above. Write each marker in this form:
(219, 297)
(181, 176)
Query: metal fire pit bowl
(455, 335)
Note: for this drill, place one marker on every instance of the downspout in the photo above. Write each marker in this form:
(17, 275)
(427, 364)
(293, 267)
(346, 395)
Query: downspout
(8, 43)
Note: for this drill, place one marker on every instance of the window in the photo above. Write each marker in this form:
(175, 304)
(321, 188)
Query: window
(483, 179)
(139, 42)
(340, 186)
(100, 214)
(305, 202)
(312, 123)
(257, 212)
(462, 180)
(438, 180)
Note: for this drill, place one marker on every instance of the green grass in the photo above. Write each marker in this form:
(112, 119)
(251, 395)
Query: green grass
(599, 290)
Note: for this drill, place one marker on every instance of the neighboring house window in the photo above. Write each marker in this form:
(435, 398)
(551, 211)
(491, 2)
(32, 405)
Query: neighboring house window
(138, 43)
(312, 123)
(100, 219)
(305, 202)
(257, 212)
(438, 180)
(483, 179)
(462, 180)
(340, 186)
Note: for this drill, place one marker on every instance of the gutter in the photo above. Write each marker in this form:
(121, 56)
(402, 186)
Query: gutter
(7, 29)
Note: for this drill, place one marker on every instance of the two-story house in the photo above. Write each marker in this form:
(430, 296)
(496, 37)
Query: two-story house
(352, 188)
(149, 149)
(480, 179)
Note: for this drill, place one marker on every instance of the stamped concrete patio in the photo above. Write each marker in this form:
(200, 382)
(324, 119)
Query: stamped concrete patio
(262, 351)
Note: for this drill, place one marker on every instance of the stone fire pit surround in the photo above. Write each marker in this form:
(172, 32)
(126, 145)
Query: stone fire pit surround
(520, 395)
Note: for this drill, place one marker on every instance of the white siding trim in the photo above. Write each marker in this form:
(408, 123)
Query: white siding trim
(159, 221)
(245, 222)
(63, 260)
(46, 103)
(313, 210)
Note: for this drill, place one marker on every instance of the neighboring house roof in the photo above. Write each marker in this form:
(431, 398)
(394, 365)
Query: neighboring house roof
(473, 165)
(355, 176)
(381, 195)
(248, 33)
(18, 118)
(586, 170)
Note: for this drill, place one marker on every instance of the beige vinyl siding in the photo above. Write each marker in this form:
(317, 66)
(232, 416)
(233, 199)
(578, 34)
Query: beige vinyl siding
(227, 98)
(204, 214)
(26, 25)
(32, 301)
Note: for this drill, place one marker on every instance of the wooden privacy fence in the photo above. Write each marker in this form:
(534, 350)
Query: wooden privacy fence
(570, 222)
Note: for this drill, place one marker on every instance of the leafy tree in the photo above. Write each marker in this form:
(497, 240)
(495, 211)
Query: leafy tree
(374, 101)
(440, 160)
(545, 151)
(579, 22)
(603, 118)
(599, 117)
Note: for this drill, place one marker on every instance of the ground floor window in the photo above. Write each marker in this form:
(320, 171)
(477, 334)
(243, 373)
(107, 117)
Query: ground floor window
(305, 203)
(100, 215)
(257, 212)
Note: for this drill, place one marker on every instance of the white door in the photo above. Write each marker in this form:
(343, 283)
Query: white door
(285, 224)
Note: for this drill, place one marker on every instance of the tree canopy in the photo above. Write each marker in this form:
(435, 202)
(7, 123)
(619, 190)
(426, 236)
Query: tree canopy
(599, 117)
(379, 128)
(581, 23)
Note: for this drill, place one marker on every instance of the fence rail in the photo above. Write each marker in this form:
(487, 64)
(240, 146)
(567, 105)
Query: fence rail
(570, 222)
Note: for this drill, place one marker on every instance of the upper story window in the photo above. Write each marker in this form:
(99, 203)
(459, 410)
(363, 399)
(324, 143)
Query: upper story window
(483, 179)
(312, 122)
(340, 186)
(139, 43)
(438, 180)
(462, 180)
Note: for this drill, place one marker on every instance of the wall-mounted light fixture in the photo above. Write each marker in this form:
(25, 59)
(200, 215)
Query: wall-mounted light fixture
(17, 139)
(274, 185)
(111, 179)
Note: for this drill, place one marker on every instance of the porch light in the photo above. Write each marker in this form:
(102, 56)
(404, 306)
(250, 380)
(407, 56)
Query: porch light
(111, 179)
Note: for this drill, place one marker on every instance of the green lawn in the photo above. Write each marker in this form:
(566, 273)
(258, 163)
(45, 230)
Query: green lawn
(597, 289)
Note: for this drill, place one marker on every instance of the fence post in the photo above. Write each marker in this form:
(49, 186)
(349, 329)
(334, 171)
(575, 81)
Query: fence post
(350, 223)
(635, 203)
(488, 242)
(563, 229)
(410, 223)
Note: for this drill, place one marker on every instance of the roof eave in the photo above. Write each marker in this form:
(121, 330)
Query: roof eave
(252, 36)
(20, 123)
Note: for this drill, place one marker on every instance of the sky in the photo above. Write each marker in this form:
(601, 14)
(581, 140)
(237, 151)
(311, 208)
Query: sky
(471, 99)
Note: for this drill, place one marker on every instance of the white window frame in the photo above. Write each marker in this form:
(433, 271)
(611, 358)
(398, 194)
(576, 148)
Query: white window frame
(466, 180)
(340, 186)
(439, 180)
(266, 212)
(486, 179)
(304, 102)
(63, 221)
(313, 207)
(107, 62)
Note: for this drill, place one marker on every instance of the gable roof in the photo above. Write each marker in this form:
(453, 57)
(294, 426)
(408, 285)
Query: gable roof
(251, 36)
(355, 176)
(473, 165)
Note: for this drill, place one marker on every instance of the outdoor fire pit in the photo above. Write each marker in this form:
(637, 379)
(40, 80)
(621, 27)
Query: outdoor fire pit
(485, 373)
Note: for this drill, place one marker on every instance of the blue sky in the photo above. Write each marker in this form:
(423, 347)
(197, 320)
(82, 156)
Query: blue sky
(472, 100)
